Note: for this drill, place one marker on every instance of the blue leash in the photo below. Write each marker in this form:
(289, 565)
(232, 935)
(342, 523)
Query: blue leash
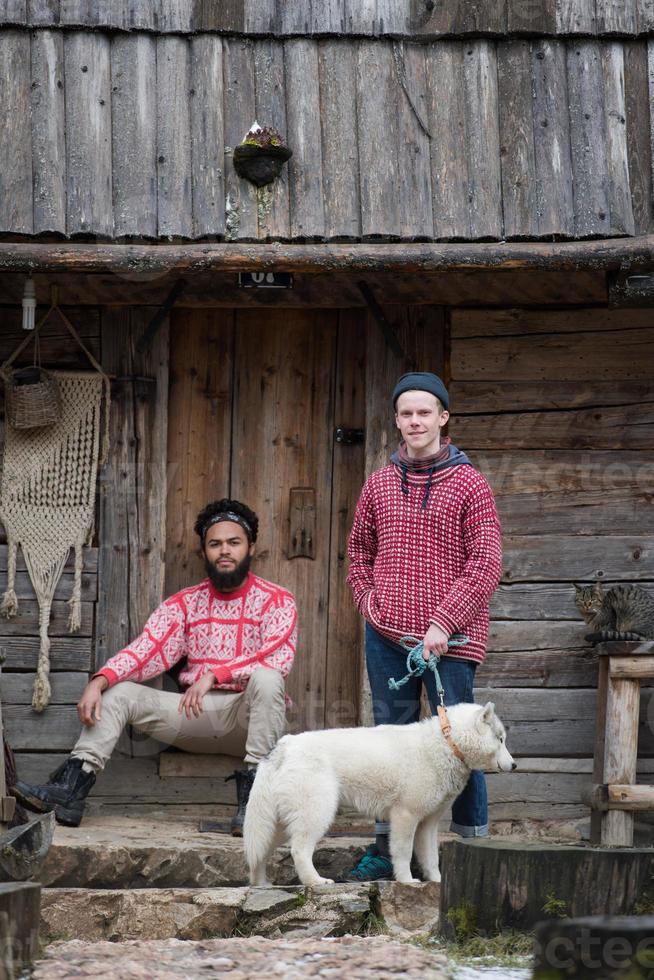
(416, 664)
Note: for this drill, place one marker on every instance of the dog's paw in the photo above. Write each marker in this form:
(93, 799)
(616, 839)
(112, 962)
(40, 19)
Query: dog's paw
(316, 882)
(409, 881)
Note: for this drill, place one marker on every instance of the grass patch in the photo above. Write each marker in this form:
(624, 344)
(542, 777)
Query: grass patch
(509, 949)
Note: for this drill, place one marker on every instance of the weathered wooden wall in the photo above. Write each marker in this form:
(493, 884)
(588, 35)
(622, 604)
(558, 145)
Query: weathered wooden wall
(131, 136)
(557, 409)
(399, 18)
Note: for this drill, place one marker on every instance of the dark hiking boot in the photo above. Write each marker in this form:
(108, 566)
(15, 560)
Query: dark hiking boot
(65, 793)
(372, 866)
(244, 780)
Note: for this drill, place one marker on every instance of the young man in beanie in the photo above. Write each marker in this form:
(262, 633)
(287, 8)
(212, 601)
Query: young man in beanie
(425, 558)
(238, 634)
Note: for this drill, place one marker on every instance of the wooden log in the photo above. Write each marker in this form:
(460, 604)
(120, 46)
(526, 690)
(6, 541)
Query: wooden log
(174, 193)
(26, 623)
(531, 18)
(47, 105)
(186, 765)
(638, 137)
(344, 660)
(644, 15)
(42, 13)
(413, 148)
(132, 497)
(449, 160)
(239, 115)
(134, 135)
(551, 135)
(16, 147)
(270, 88)
(588, 139)
(512, 882)
(617, 154)
(482, 125)
(89, 205)
(304, 137)
(199, 433)
(608, 946)
(289, 364)
(560, 556)
(616, 18)
(536, 601)
(15, 11)
(631, 667)
(468, 397)
(605, 255)
(66, 653)
(576, 17)
(66, 687)
(516, 117)
(340, 152)
(57, 728)
(628, 427)
(630, 797)
(25, 590)
(20, 914)
(549, 668)
(207, 136)
(494, 323)
(620, 754)
(512, 358)
(377, 91)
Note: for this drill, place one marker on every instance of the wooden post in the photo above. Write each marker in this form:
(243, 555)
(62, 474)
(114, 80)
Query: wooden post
(600, 736)
(620, 755)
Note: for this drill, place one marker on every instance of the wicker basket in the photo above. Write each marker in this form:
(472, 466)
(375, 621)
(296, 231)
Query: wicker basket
(32, 398)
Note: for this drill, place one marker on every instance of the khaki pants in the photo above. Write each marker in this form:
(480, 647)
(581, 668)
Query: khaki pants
(246, 724)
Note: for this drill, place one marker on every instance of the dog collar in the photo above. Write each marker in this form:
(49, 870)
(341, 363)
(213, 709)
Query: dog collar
(446, 729)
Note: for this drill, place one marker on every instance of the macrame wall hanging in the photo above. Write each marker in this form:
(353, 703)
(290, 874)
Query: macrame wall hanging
(47, 486)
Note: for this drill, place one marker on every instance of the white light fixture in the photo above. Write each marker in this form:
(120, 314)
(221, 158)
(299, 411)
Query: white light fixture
(29, 304)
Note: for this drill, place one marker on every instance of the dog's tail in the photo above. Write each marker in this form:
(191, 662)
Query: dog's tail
(260, 826)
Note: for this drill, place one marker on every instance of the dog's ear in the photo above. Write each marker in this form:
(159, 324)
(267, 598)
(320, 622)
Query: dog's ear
(488, 712)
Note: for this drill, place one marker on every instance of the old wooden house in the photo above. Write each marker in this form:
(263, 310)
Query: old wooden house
(470, 192)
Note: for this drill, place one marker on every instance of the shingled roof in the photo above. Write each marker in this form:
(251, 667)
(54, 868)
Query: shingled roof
(128, 134)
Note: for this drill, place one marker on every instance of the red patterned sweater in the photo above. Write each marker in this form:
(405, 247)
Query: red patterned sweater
(229, 633)
(411, 567)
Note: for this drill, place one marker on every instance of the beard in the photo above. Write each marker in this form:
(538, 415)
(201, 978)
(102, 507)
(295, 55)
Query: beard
(228, 581)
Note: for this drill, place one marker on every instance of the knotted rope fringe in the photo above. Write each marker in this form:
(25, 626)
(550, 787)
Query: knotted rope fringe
(47, 503)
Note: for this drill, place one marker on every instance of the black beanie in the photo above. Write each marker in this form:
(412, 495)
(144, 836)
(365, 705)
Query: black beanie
(422, 381)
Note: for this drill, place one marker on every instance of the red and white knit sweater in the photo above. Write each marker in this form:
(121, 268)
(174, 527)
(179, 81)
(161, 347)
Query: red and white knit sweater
(230, 634)
(411, 567)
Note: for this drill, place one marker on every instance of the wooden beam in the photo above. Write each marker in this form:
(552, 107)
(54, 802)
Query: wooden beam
(620, 796)
(631, 667)
(605, 254)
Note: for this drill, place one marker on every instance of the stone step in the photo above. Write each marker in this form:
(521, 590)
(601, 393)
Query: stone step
(118, 852)
(197, 913)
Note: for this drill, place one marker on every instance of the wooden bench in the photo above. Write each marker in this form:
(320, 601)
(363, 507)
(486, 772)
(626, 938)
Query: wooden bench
(615, 796)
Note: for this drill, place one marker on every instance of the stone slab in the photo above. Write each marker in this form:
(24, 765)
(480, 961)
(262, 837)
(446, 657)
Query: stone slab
(347, 958)
(197, 913)
(121, 852)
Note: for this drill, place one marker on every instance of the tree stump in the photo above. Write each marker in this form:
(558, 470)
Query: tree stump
(595, 947)
(20, 912)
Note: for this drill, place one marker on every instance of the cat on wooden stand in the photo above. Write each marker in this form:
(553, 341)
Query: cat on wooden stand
(624, 612)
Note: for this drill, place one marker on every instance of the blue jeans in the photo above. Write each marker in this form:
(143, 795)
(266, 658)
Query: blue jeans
(385, 659)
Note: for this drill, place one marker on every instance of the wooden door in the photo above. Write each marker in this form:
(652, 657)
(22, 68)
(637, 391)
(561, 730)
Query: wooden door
(255, 399)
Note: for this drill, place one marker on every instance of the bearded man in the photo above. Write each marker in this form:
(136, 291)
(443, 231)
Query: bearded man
(238, 634)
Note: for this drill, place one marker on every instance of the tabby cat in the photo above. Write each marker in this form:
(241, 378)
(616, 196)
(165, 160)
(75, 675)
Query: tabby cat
(625, 612)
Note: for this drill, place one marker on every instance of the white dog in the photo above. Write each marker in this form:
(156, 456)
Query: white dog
(407, 774)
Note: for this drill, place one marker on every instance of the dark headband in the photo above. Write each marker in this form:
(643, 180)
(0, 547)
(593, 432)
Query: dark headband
(227, 515)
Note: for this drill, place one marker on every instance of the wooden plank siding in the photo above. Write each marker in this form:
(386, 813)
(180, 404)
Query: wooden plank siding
(374, 18)
(573, 488)
(131, 135)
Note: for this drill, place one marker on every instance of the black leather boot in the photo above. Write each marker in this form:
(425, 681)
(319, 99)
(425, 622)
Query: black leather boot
(244, 780)
(65, 793)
